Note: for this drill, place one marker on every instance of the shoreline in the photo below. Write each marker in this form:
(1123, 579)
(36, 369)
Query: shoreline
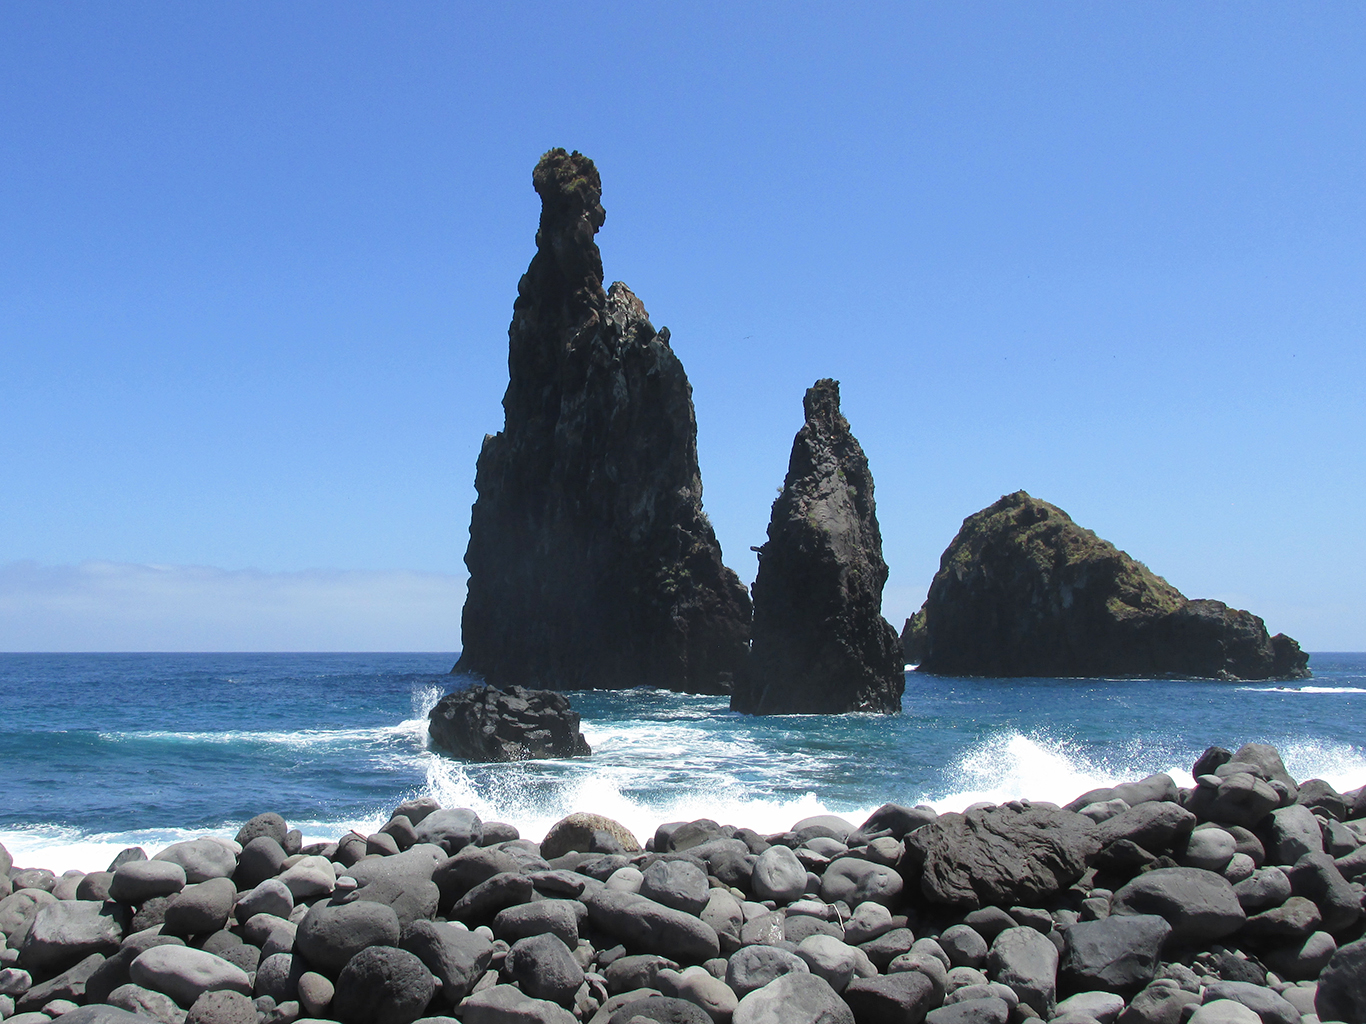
(1015, 908)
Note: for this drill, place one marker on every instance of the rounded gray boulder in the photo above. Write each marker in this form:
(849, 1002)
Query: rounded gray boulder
(383, 985)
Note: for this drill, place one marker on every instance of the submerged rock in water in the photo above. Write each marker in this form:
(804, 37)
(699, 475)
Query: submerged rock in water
(591, 562)
(1025, 591)
(484, 723)
(820, 641)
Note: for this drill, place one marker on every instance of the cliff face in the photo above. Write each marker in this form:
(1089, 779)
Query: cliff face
(1025, 591)
(821, 644)
(591, 562)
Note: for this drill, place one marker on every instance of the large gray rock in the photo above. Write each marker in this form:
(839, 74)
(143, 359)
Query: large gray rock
(1240, 799)
(556, 917)
(222, 1008)
(1297, 918)
(658, 1009)
(1269, 1006)
(140, 880)
(1026, 961)
(1155, 825)
(1199, 905)
(986, 1010)
(261, 858)
(778, 875)
(184, 973)
(277, 976)
(648, 926)
(821, 645)
(66, 932)
(590, 561)
(1117, 954)
(902, 998)
(545, 968)
(136, 999)
(854, 881)
(202, 859)
(331, 934)
(1294, 831)
(1342, 986)
(270, 897)
(457, 957)
(794, 999)
(506, 1004)
(677, 884)
(102, 1014)
(201, 908)
(829, 958)
(450, 828)
(1162, 1002)
(1001, 856)
(1316, 876)
(1224, 1011)
(71, 985)
(383, 985)
(753, 967)
(1266, 887)
(1301, 961)
(483, 723)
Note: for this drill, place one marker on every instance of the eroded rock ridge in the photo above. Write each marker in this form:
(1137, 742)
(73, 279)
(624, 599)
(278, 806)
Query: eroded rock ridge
(821, 644)
(591, 561)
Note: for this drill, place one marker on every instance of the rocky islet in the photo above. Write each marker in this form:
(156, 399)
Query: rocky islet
(1143, 903)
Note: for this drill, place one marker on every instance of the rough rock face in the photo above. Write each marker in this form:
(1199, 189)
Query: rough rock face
(591, 562)
(483, 723)
(1023, 590)
(821, 644)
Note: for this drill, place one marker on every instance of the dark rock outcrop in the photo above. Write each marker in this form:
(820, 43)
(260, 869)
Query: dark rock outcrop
(591, 562)
(483, 723)
(1025, 591)
(821, 644)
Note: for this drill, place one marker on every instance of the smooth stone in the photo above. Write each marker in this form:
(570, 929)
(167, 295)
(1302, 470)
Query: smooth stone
(64, 932)
(269, 897)
(1154, 825)
(70, 984)
(894, 998)
(1266, 1004)
(712, 994)
(1210, 849)
(261, 858)
(451, 829)
(100, 1013)
(201, 908)
(557, 917)
(1342, 985)
(457, 957)
(794, 999)
(184, 973)
(202, 859)
(627, 879)
(268, 824)
(1162, 1002)
(856, 881)
(315, 993)
(140, 880)
(652, 927)
(1268, 887)
(1316, 876)
(752, 967)
(331, 934)
(222, 1007)
(1296, 918)
(156, 1005)
(383, 985)
(1239, 868)
(506, 1004)
(868, 921)
(778, 875)
(1199, 905)
(988, 1010)
(829, 958)
(677, 884)
(1027, 962)
(657, 1009)
(726, 917)
(923, 963)
(545, 968)
(95, 886)
(964, 945)
(1104, 1007)
(962, 977)
(309, 877)
(1294, 831)
(1116, 954)
(277, 977)
(888, 946)
(482, 903)
(1103, 810)
(1300, 961)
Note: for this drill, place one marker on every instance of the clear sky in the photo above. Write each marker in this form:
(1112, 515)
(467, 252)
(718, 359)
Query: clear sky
(259, 259)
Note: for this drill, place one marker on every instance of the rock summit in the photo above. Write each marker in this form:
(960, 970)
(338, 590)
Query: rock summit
(1025, 591)
(591, 562)
(821, 644)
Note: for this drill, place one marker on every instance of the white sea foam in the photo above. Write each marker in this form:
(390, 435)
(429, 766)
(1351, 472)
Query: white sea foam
(1303, 689)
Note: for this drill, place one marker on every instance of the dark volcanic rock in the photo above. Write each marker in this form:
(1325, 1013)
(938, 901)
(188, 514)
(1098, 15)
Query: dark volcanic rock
(999, 856)
(483, 723)
(1024, 591)
(591, 562)
(821, 644)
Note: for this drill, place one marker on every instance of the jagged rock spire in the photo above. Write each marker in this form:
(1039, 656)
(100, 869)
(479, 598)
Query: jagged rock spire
(591, 562)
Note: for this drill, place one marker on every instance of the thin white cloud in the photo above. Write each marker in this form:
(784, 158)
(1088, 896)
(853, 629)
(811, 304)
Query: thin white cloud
(113, 606)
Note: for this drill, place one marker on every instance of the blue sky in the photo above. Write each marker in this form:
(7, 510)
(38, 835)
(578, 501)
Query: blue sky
(259, 262)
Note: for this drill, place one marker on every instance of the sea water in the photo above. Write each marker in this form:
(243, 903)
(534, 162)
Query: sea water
(103, 751)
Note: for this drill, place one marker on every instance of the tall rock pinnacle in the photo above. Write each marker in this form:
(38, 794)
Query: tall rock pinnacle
(591, 562)
(821, 644)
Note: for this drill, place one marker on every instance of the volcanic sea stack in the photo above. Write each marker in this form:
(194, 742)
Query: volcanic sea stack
(821, 644)
(591, 562)
(1025, 591)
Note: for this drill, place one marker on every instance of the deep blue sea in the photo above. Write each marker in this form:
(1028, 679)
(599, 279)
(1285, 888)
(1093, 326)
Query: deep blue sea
(100, 751)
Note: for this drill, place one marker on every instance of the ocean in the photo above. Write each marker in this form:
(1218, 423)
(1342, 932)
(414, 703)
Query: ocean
(103, 751)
